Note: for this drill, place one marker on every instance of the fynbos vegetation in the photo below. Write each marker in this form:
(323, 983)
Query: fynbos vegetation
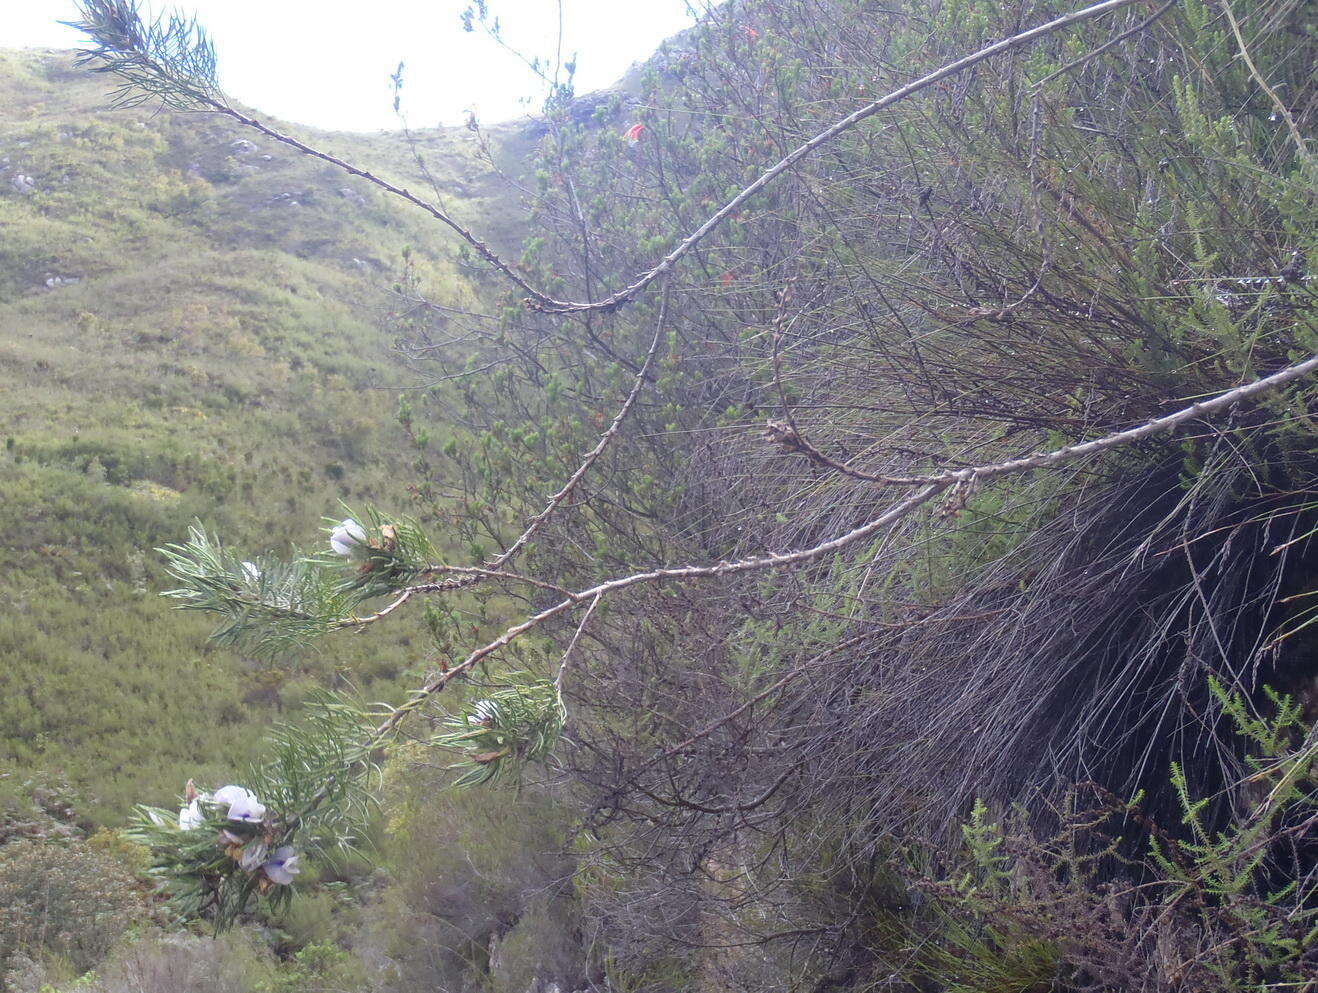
(869, 526)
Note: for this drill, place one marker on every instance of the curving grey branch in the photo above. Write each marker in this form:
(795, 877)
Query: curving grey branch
(123, 47)
(930, 487)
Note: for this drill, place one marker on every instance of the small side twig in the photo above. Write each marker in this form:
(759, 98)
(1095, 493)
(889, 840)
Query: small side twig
(571, 645)
(1277, 102)
(1090, 56)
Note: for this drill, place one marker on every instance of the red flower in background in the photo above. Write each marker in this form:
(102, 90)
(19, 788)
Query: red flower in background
(750, 33)
(633, 133)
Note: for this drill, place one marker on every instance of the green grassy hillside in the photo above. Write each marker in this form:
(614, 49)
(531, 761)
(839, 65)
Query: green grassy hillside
(188, 329)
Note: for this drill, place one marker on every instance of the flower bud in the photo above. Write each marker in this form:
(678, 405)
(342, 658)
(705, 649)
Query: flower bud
(348, 539)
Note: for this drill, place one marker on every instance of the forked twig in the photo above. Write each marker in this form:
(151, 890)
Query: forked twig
(930, 487)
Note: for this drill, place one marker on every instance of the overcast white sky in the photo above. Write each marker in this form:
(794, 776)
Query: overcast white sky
(327, 62)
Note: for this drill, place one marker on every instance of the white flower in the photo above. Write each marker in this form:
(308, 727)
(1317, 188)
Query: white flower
(190, 817)
(348, 538)
(252, 855)
(243, 805)
(483, 714)
(282, 866)
(252, 572)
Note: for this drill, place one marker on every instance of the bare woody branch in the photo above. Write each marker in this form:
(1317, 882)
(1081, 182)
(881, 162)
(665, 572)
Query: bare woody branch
(494, 569)
(111, 56)
(930, 487)
(665, 265)
(786, 435)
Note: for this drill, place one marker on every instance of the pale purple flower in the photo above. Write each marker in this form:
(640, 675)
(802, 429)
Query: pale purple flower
(348, 539)
(243, 804)
(483, 714)
(282, 866)
(190, 817)
(252, 572)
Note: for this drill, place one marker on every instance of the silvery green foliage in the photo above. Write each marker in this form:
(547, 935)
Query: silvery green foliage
(311, 798)
(269, 606)
(170, 59)
(518, 722)
(314, 793)
(266, 606)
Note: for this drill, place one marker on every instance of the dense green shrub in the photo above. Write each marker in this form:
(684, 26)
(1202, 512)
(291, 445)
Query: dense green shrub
(482, 891)
(63, 901)
(1044, 249)
(210, 356)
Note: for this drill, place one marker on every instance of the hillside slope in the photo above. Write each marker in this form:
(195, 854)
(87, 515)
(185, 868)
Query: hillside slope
(188, 329)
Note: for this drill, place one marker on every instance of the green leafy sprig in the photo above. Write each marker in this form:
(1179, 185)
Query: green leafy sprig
(170, 59)
(267, 606)
(316, 791)
(211, 868)
(395, 552)
(517, 723)
(270, 606)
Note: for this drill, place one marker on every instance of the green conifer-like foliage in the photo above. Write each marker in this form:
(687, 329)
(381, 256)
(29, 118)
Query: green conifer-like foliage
(169, 59)
(313, 793)
(274, 605)
(212, 859)
(518, 722)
